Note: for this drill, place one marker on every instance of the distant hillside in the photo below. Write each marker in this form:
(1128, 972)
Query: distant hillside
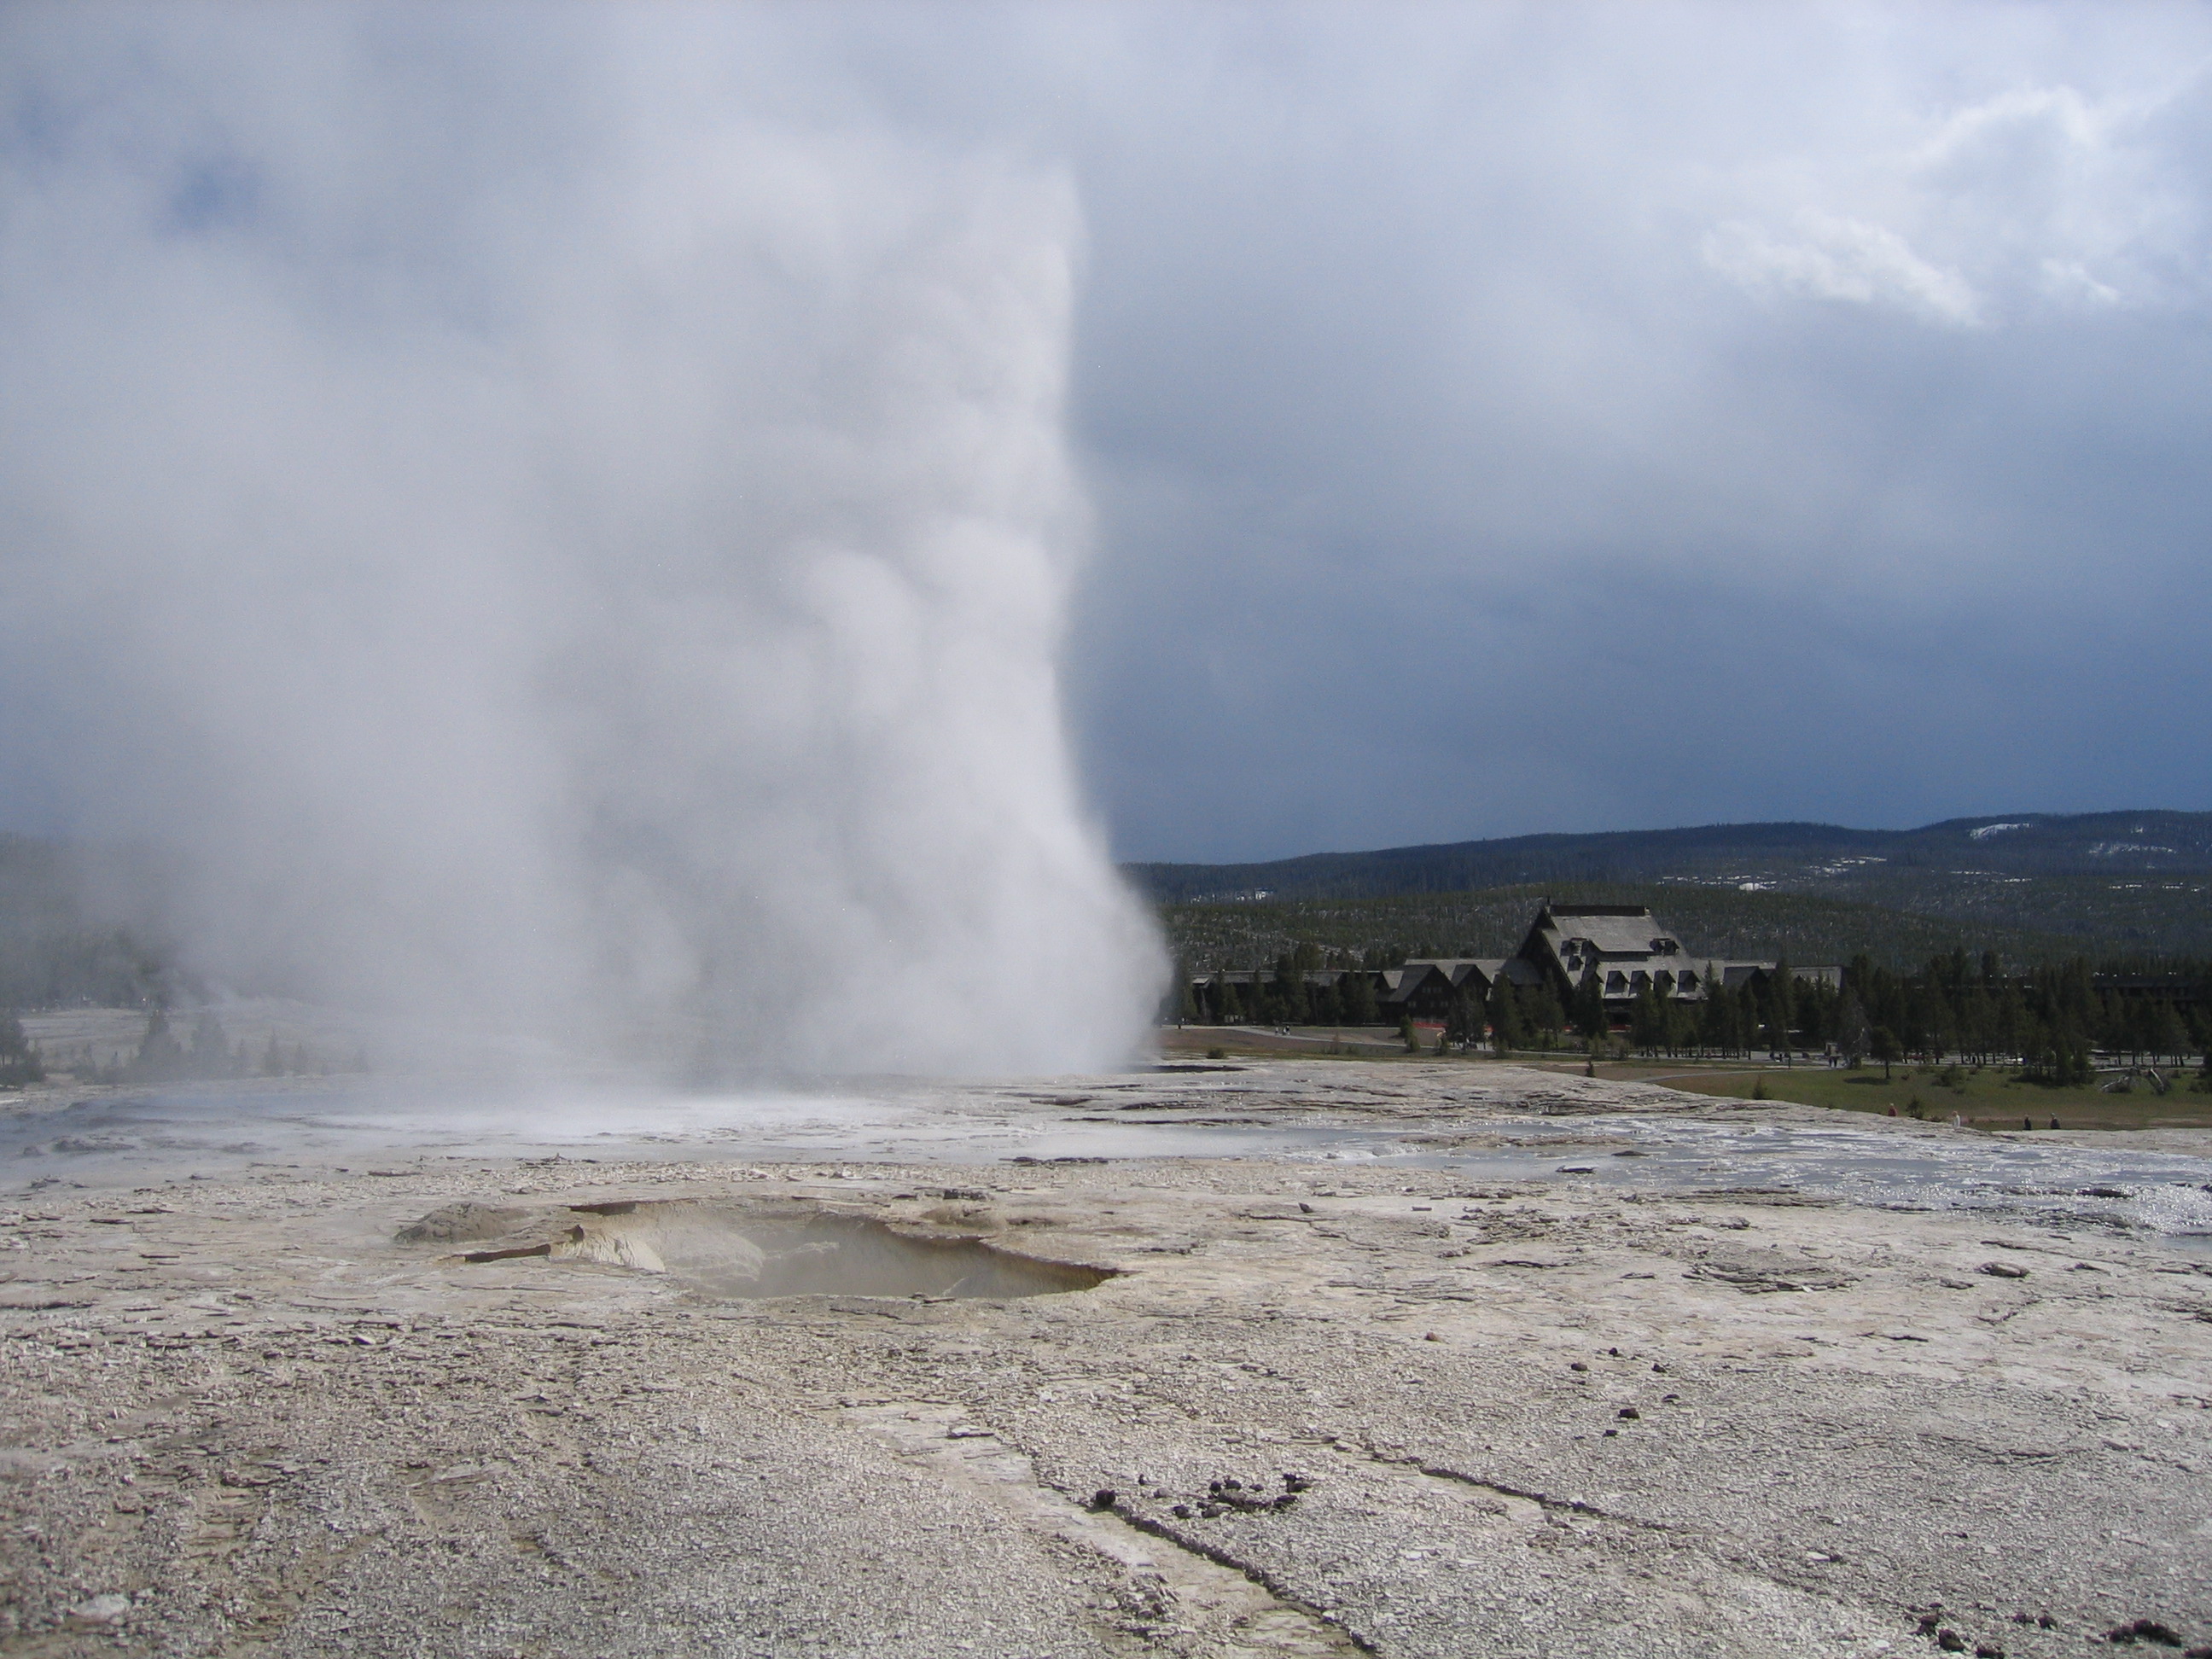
(2024, 843)
(2031, 885)
(1710, 922)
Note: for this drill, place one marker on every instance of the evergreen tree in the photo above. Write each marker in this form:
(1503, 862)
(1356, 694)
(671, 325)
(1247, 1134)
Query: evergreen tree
(1590, 1019)
(1647, 1020)
(2009, 1027)
(211, 1050)
(1462, 1016)
(1291, 988)
(1226, 1001)
(1718, 1025)
(161, 1057)
(1781, 1014)
(19, 1060)
(1504, 1017)
(1885, 1046)
(1542, 1012)
(2169, 1039)
(1359, 992)
(1853, 1033)
(1328, 1005)
(1977, 1024)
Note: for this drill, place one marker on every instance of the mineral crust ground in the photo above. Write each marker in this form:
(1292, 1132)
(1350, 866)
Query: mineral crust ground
(462, 1405)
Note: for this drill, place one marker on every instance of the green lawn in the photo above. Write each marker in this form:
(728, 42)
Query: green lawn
(1993, 1098)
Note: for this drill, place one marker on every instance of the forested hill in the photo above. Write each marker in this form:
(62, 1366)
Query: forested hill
(2032, 886)
(1791, 857)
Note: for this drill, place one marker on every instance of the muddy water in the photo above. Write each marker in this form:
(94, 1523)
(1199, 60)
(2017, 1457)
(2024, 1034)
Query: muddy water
(721, 1251)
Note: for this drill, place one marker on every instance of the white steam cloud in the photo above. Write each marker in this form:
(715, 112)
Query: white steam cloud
(552, 533)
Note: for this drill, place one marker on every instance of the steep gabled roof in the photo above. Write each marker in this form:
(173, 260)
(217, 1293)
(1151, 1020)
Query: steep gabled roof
(1611, 930)
(1456, 969)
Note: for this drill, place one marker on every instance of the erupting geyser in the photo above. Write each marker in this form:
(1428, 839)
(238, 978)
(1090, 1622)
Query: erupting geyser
(557, 543)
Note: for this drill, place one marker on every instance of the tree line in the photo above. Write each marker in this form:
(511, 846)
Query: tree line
(161, 1056)
(2050, 1021)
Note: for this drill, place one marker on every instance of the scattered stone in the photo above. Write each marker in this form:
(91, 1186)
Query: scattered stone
(1950, 1641)
(1758, 1274)
(461, 1224)
(1103, 1499)
(2144, 1630)
(1576, 1365)
(100, 1610)
(1630, 1414)
(2002, 1270)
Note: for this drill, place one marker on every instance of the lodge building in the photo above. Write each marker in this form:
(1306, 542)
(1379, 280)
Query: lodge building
(1624, 947)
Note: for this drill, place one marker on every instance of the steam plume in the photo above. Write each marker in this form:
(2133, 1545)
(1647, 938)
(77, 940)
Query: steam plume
(549, 538)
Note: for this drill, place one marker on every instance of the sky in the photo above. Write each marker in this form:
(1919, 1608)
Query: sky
(1479, 419)
(1510, 419)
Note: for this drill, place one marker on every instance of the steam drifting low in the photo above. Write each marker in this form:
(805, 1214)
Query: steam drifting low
(552, 536)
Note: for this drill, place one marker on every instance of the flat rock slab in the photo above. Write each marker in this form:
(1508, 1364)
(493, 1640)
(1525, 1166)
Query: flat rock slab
(1312, 1410)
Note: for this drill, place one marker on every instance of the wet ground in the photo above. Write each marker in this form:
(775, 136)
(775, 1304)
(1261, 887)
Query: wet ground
(1498, 1123)
(1285, 1358)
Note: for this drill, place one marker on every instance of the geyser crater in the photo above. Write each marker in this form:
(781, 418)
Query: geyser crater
(737, 1252)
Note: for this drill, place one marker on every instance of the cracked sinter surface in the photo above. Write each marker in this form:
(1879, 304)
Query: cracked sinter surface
(1483, 1382)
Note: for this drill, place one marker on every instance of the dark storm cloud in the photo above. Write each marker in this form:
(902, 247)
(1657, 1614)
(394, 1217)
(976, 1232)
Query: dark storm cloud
(1506, 419)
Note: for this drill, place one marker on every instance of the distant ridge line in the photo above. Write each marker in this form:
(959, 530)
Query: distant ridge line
(2017, 843)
